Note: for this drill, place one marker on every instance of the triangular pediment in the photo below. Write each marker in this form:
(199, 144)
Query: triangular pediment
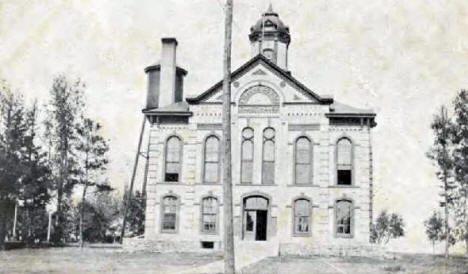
(261, 69)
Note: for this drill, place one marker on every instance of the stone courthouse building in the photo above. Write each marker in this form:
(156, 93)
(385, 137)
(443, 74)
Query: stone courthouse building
(302, 162)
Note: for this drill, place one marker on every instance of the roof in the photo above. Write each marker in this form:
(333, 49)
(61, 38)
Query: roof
(338, 109)
(176, 109)
(157, 66)
(251, 63)
(270, 17)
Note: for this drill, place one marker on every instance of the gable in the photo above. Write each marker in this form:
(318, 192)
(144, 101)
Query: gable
(261, 69)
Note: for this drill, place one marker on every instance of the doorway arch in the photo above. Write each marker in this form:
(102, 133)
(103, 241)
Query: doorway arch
(256, 215)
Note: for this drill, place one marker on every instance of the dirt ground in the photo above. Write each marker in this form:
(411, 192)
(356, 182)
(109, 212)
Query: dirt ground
(71, 260)
(113, 260)
(403, 263)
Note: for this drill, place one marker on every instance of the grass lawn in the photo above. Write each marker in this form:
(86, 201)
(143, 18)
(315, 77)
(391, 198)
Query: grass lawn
(111, 260)
(403, 263)
(71, 260)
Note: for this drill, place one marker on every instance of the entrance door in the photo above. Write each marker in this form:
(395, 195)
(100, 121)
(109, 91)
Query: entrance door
(261, 233)
(255, 221)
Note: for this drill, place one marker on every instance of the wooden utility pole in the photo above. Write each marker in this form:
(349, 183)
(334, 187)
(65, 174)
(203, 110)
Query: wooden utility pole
(229, 258)
(130, 191)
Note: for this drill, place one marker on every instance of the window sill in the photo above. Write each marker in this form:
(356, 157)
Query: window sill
(255, 185)
(209, 233)
(170, 183)
(303, 185)
(343, 186)
(169, 231)
(302, 235)
(343, 236)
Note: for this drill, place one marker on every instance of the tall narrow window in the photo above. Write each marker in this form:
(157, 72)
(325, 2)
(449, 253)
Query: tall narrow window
(344, 217)
(169, 214)
(344, 162)
(268, 163)
(303, 161)
(173, 159)
(211, 165)
(247, 155)
(209, 214)
(302, 214)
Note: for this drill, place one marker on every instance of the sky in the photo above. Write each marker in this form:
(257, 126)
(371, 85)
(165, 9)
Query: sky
(404, 59)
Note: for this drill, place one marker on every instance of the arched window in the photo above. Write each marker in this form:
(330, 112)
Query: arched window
(269, 53)
(211, 164)
(247, 156)
(303, 161)
(268, 163)
(169, 218)
(344, 162)
(302, 216)
(173, 159)
(209, 216)
(344, 218)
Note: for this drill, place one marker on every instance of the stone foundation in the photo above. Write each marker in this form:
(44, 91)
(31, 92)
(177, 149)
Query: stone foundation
(285, 249)
(365, 250)
(161, 246)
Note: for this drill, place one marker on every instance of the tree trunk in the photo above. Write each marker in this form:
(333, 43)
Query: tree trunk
(82, 213)
(58, 232)
(3, 221)
(5, 215)
(447, 232)
(229, 257)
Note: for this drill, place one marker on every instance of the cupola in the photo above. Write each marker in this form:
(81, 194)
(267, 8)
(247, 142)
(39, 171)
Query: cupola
(270, 37)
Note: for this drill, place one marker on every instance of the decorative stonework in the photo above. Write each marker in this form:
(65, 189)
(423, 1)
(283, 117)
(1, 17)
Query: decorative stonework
(259, 72)
(300, 127)
(259, 99)
(209, 126)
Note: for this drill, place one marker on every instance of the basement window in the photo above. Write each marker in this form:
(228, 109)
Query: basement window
(207, 245)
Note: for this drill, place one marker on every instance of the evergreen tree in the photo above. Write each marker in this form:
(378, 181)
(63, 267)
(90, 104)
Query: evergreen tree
(64, 109)
(460, 155)
(441, 154)
(12, 135)
(34, 188)
(92, 156)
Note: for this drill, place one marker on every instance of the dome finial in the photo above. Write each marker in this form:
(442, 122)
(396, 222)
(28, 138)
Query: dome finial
(270, 8)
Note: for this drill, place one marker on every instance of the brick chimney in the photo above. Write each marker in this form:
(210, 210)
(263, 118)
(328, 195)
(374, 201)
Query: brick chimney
(165, 80)
(168, 72)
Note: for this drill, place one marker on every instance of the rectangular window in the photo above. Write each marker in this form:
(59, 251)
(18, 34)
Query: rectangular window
(207, 245)
(344, 177)
(302, 224)
(169, 222)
